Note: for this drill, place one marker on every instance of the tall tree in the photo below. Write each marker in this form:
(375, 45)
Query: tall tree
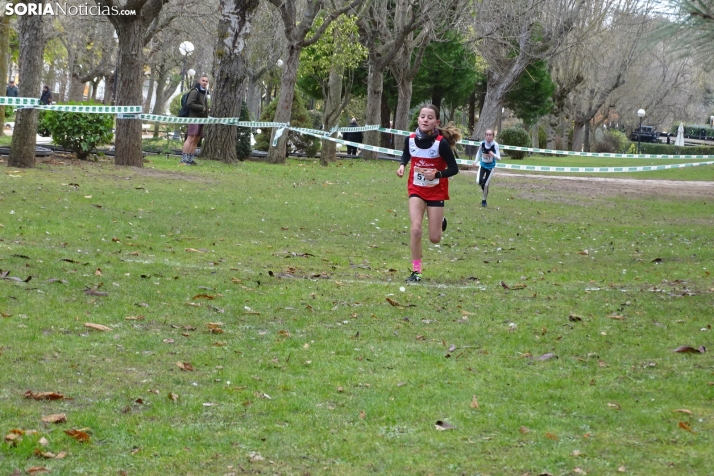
(229, 77)
(4, 54)
(512, 35)
(134, 32)
(385, 38)
(32, 45)
(296, 31)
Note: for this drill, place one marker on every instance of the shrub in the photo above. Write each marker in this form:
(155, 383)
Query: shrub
(175, 105)
(299, 118)
(243, 147)
(612, 142)
(79, 132)
(665, 149)
(695, 131)
(516, 136)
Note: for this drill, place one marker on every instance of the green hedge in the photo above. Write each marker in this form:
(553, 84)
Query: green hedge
(77, 131)
(665, 149)
(694, 130)
(516, 136)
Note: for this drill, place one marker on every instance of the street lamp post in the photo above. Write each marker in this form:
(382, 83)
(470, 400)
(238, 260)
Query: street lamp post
(185, 48)
(640, 113)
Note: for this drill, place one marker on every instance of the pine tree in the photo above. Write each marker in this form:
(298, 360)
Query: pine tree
(243, 146)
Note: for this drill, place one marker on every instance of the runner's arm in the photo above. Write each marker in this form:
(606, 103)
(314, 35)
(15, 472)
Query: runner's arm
(405, 155)
(448, 155)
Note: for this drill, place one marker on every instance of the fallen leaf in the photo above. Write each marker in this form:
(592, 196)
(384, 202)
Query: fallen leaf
(97, 327)
(551, 436)
(685, 426)
(576, 453)
(43, 441)
(49, 455)
(168, 341)
(578, 471)
(284, 333)
(614, 405)
(393, 302)
(186, 366)
(55, 418)
(547, 356)
(401, 384)
(683, 410)
(203, 296)
(474, 402)
(93, 292)
(574, 318)
(134, 318)
(98, 272)
(621, 469)
(78, 435)
(686, 349)
(584, 252)
(505, 286)
(36, 470)
(362, 415)
(173, 397)
(443, 425)
(193, 250)
(616, 316)
(524, 430)
(43, 395)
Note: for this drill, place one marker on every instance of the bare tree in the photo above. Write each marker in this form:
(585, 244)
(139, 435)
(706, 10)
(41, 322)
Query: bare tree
(134, 32)
(385, 37)
(32, 45)
(296, 31)
(229, 75)
(512, 34)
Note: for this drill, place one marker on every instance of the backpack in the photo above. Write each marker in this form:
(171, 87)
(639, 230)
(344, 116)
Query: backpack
(183, 111)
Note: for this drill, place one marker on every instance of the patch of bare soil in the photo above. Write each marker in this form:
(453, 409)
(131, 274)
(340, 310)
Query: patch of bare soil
(571, 188)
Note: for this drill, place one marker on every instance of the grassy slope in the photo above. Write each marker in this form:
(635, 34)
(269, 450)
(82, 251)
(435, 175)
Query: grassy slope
(355, 384)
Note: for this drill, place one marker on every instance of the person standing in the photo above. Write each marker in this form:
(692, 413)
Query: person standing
(11, 90)
(488, 154)
(46, 97)
(432, 163)
(197, 104)
(353, 137)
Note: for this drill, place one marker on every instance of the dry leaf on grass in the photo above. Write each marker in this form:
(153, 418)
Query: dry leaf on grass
(474, 403)
(50, 455)
(524, 430)
(362, 415)
(547, 356)
(578, 471)
(93, 292)
(134, 318)
(575, 318)
(97, 327)
(203, 296)
(44, 395)
(683, 410)
(614, 405)
(79, 435)
(173, 397)
(37, 470)
(686, 349)
(551, 436)
(444, 425)
(621, 469)
(55, 418)
(186, 366)
(685, 426)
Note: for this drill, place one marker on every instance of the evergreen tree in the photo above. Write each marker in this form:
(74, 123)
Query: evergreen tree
(243, 147)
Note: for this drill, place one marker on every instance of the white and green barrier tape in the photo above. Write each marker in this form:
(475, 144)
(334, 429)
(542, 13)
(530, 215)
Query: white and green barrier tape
(135, 112)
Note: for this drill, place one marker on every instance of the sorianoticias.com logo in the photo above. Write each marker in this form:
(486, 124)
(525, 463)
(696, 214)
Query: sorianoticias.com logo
(64, 9)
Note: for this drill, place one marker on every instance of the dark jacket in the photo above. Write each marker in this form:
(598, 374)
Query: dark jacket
(353, 136)
(12, 91)
(46, 97)
(197, 103)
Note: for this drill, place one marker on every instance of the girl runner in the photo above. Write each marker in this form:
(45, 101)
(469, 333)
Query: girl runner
(488, 154)
(433, 162)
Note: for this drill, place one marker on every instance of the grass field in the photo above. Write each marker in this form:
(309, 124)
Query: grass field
(259, 323)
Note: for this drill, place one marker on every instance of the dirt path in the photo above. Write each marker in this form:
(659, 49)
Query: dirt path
(603, 186)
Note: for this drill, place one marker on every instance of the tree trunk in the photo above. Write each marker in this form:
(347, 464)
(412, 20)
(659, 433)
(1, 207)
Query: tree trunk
(551, 130)
(276, 155)
(586, 140)
(375, 87)
(496, 89)
(578, 135)
(534, 136)
(160, 103)
(108, 90)
(472, 111)
(4, 53)
(32, 47)
(76, 89)
(150, 93)
(129, 92)
(253, 98)
(384, 115)
(332, 113)
(230, 74)
(401, 117)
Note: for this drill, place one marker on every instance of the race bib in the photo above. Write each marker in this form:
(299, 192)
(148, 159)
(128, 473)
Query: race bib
(487, 159)
(421, 181)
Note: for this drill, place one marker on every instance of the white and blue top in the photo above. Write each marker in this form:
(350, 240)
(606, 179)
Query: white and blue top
(488, 162)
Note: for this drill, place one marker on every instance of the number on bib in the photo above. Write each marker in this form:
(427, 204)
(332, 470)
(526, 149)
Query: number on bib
(421, 181)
